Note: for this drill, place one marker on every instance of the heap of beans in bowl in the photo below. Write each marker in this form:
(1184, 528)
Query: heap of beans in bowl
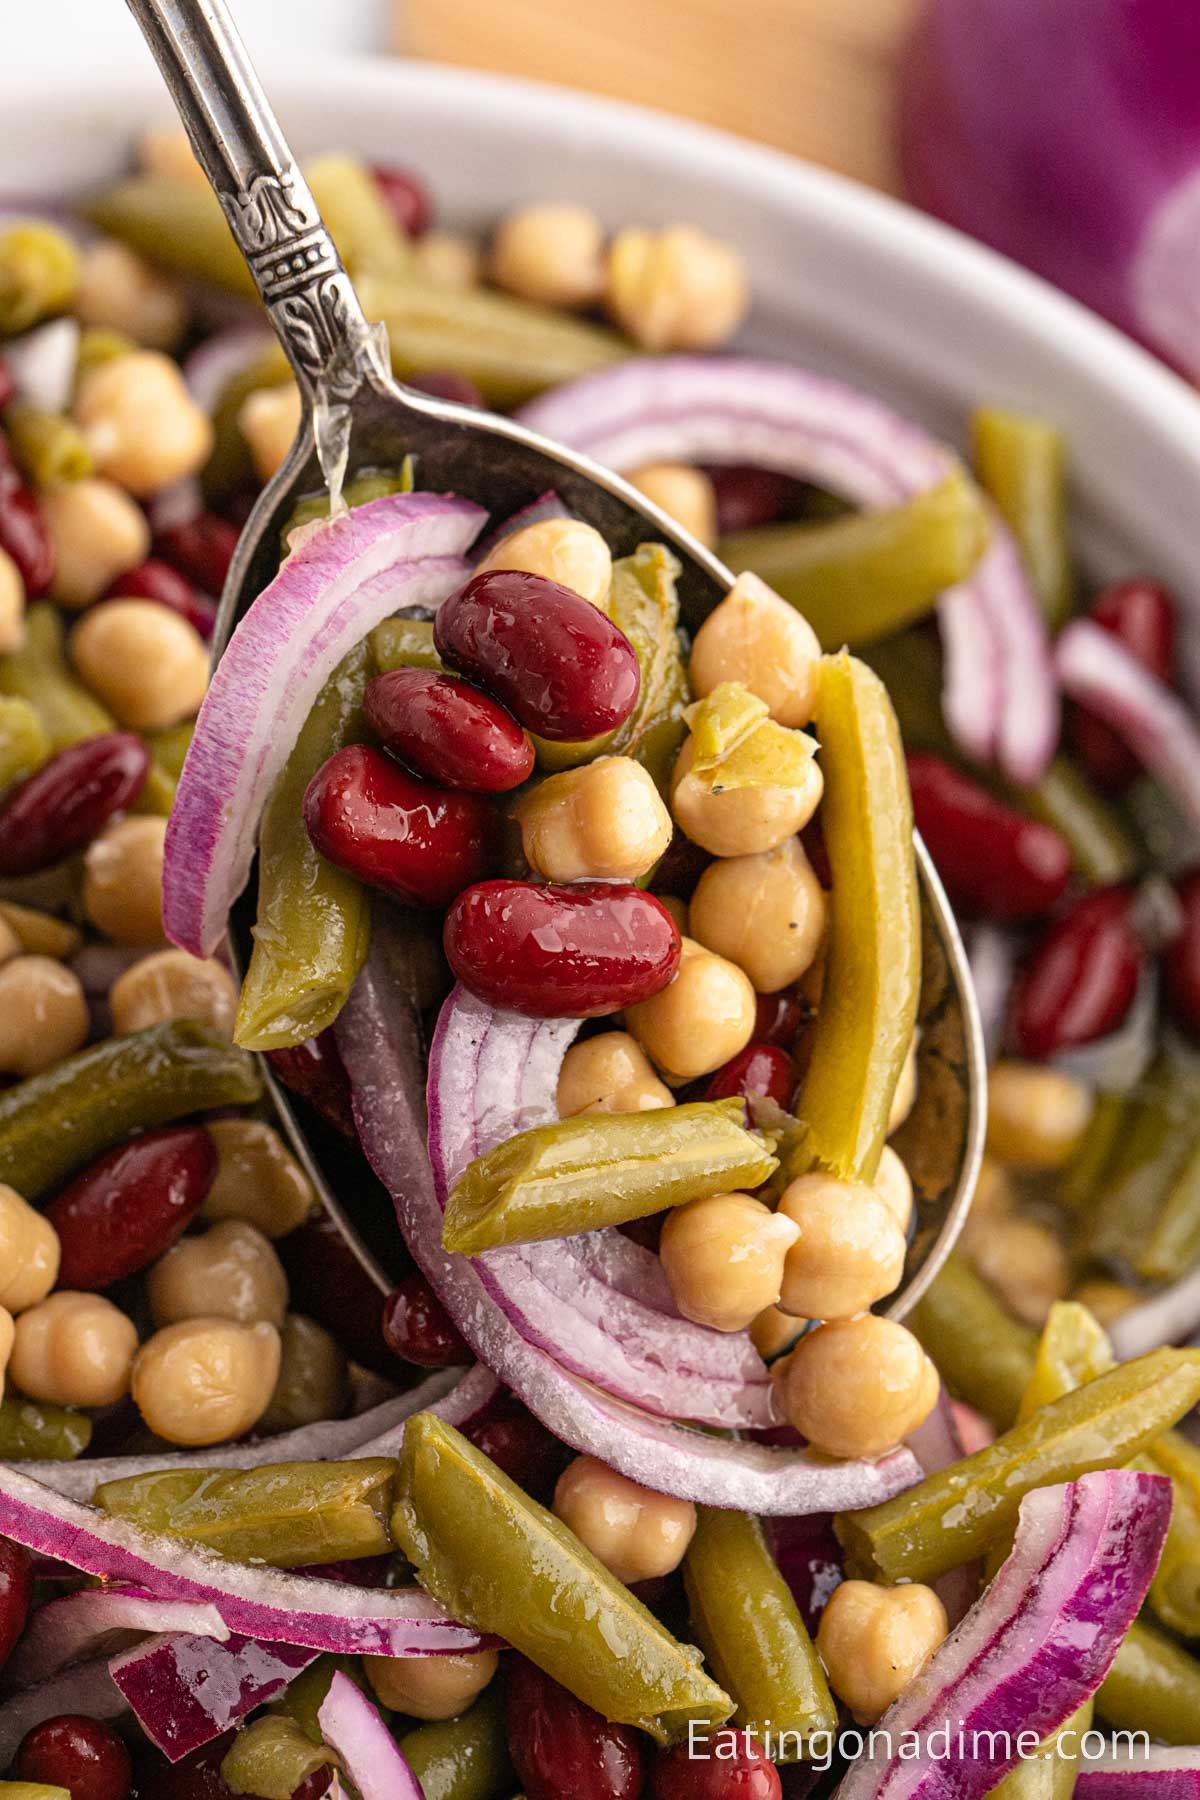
(587, 941)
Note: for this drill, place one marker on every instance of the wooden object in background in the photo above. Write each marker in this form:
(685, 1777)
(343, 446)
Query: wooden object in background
(810, 76)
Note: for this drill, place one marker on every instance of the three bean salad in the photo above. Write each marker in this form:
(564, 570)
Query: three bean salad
(587, 942)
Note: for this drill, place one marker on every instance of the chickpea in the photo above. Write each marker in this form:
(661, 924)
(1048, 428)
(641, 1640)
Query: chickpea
(29, 1252)
(905, 1096)
(448, 258)
(165, 150)
(634, 1532)
(685, 495)
(12, 604)
(258, 1179)
(604, 821)
(117, 291)
(705, 1016)
(849, 1249)
(38, 932)
(97, 532)
(205, 1381)
(741, 821)
(764, 912)
(857, 1387)
(724, 1258)
(1036, 1116)
(430, 1687)
(171, 984)
(7, 1334)
(1024, 1261)
(552, 253)
(893, 1184)
(73, 1350)
(314, 1379)
(609, 1073)
(122, 881)
(43, 1014)
(269, 420)
(228, 1272)
(754, 636)
(10, 943)
(1105, 1300)
(677, 289)
(147, 665)
(144, 428)
(875, 1640)
(994, 1192)
(774, 1332)
(678, 910)
(562, 550)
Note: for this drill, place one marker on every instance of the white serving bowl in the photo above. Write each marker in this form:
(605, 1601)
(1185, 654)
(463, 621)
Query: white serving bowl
(845, 280)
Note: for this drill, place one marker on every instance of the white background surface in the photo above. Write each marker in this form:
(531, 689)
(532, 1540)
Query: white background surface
(78, 35)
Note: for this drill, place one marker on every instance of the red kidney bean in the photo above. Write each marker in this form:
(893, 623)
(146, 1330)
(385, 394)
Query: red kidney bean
(810, 1560)
(314, 1071)
(778, 1017)
(417, 1326)
(993, 859)
(762, 1069)
(812, 837)
(448, 731)
(131, 1204)
(560, 1746)
(83, 1755)
(201, 549)
(8, 385)
(747, 496)
(682, 865)
(520, 1446)
(1080, 980)
(194, 1777)
(1141, 614)
(407, 197)
(711, 1772)
(1181, 959)
(63, 805)
(157, 580)
(313, 1786)
(417, 842)
(16, 1588)
(577, 952)
(327, 1281)
(23, 532)
(444, 384)
(555, 660)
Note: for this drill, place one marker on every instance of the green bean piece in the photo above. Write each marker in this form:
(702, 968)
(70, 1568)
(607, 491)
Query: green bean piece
(1072, 1349)
(52, 1123)
(404, 644)
(287, 1514)
(582, 1173)
(39, 272)
(910, 668)
(49, 447)
(158, 792)
(24, 745)
(176, 225)
(865, 1025)
(1079, 1183)
(303, 1698)
(37, 671)
(270, 1757)
(33, 1433)
(370, 485)
(1153, 1686)
(1021, 462)
(503, 1564)
(1051, 1773)
(866, 576)
(954, 1515)
(362, 223)
(1102, 849)
(752, 1634)
(464, 1758)
(32, 1790)
(229, 461)
(1143, 1218)
(40, 933)
(313, 923)
(169, 747)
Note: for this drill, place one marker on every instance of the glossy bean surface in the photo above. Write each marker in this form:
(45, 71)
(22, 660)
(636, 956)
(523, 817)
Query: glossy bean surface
(130, 1205)
(63, 805)
(763, 1069)
(1141, 614)
(417, 1326)
(83, 1755)
(560, 1746)
(156, 580)
(994, 861)
(448, 731)
(1080, 980)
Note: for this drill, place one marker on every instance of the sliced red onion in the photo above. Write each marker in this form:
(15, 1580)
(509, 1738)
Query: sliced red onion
(82, 1625)
(992, 957)
(546, 506)
(42, 363)
(493, 1074)
(1168, 1317)
(936, 1444)
(1001, 701)
(259, 1602)
(1116, 1063)
(1033, 1648)
(347, 575)
(88, 1689)
(465, 1402)
(379, 1037)
(369, 1754)
(221, 358)
(1152, 1772)
(1097, 670)
(185, 1691)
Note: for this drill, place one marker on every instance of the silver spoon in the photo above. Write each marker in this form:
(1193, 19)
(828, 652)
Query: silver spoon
(343, 379)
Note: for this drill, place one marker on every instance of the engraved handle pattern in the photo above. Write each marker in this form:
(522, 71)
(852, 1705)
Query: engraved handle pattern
(265, 198)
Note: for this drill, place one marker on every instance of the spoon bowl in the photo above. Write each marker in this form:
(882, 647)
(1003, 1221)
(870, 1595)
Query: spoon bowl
(356, 416)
